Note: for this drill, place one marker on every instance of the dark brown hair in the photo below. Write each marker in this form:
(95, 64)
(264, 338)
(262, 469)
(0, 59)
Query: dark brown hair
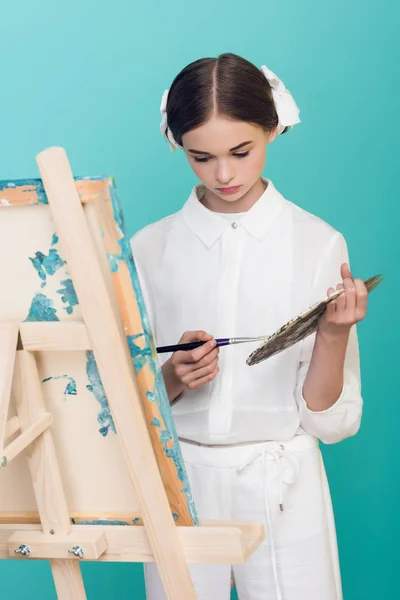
(228, 85)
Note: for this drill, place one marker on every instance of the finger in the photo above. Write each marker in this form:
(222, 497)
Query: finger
(195, 336)
(331, 307)
(199, 382)
(183, 368)
(207, 359)
(198, 353)
(340, 300)
(350, 296)
(361, 298)
(193, 376)
(345, 271)
(193, 356)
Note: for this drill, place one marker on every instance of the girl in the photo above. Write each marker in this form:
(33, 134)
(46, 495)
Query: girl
(240, 260)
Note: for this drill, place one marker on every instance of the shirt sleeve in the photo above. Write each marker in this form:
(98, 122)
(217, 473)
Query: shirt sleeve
(343, 418)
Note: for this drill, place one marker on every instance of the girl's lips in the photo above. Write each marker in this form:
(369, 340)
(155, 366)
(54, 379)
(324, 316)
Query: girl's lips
(229, 190)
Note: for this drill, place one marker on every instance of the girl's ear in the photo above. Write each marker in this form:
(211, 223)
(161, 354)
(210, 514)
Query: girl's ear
(272, 135)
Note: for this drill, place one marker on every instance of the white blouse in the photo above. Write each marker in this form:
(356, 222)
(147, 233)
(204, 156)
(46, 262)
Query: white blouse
(246, 275)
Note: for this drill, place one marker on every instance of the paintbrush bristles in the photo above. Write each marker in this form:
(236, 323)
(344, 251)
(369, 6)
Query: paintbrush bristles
(373, 282)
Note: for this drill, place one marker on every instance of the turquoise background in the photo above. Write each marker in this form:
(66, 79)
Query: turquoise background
(89, 76)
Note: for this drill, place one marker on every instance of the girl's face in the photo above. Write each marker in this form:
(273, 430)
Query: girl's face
(228, 157)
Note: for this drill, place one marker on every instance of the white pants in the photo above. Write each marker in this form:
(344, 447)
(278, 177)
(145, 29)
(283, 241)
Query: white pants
(299, 558)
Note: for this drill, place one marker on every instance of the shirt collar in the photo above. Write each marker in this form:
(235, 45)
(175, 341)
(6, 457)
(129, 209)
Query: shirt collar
(209, 226)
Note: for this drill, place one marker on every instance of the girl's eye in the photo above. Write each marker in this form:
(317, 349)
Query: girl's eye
(205, 159)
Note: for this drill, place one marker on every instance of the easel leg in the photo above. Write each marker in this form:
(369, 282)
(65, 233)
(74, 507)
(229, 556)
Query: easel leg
(45, 473)
(116, 372)
(8, 348)
(68, 579)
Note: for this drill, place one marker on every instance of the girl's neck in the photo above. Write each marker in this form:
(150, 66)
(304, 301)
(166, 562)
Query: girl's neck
(243, 204)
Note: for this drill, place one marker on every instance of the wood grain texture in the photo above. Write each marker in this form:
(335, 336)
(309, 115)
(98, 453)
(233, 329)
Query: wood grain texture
(212, 542)
(106, 518)
(54, 337)
(8, 348)
(25, 438)
(12, 427)
(41, 545)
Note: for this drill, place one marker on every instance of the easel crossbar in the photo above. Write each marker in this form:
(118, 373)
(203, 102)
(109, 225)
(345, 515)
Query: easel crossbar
(212, 542)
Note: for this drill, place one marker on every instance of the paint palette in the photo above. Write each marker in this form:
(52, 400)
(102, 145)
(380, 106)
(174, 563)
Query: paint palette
(300, 327)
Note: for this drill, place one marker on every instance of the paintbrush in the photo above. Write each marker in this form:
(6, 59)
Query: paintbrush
(220, 342)
(292, 332)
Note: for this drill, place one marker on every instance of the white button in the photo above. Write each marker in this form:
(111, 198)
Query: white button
(234, 225)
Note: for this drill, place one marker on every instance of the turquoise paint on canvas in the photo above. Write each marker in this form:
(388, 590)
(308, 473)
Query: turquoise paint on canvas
(68, 295)
(42, 309)
(95, 386)
(339, 59)
(70, 388)
(47, 264)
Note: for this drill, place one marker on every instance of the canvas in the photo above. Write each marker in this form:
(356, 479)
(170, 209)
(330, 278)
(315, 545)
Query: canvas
(37, 287)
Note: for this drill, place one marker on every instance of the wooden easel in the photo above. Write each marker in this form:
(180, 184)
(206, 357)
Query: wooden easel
(53, 536)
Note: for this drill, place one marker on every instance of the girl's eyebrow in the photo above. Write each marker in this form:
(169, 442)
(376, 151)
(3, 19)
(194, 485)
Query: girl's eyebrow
(240, 146)
(231, 150)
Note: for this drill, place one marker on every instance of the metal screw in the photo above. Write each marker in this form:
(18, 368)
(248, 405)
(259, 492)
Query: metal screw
(51, 531)
(77, 551)
(23, 550)
(3, 461)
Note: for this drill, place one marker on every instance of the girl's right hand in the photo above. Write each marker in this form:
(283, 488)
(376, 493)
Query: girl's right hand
(191, 368)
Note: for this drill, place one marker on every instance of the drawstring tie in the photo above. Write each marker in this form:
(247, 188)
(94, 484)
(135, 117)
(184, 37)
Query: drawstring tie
(278, 455)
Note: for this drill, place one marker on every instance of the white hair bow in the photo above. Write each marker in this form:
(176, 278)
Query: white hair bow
(164, 123)
(286, 108)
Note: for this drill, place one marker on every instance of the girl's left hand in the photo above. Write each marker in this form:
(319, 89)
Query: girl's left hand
(349, 308)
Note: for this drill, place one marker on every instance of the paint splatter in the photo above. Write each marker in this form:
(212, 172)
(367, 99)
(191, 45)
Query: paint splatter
(140, 355)
(29, 185)
(156, 422)
(96, 387)
(113, 262)
(105, 521)
(47, 264)
(98, 522)
(68, 295)
(35, 186)
(165, 436)
(42, 309)
(70, 389)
